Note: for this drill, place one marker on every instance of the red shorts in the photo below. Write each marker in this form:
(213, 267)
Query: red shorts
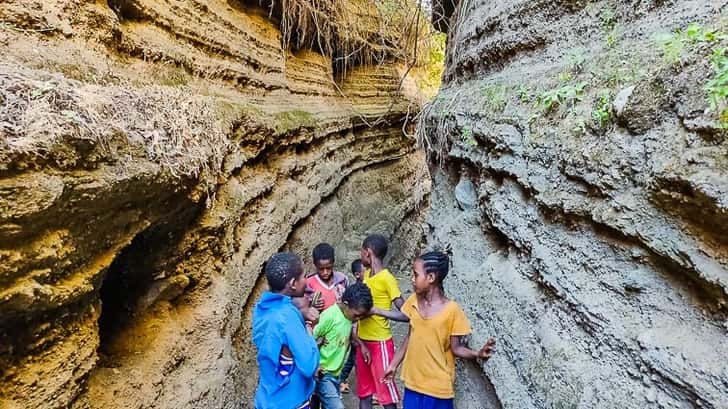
(368, 376)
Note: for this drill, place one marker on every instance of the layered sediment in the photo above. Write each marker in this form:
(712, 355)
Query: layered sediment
(580, 178)
(157, 153)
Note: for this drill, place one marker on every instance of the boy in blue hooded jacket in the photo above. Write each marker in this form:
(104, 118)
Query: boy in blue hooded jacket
(280, 335)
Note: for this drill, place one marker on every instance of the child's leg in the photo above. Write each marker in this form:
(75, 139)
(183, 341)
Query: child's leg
(365, 403)
(327, 389)
(382, 353)
(365, 384)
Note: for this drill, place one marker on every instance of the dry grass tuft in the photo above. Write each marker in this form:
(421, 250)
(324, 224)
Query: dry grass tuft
(357, 32)
(178, 130)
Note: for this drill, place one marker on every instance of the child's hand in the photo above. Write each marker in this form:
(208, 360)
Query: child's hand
(311, 314)
(366, 354)
(318, 304)
(389, 374)
(321, 341)
(487, 351)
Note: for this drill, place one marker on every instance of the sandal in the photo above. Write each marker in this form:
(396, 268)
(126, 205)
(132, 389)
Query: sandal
(344, 387)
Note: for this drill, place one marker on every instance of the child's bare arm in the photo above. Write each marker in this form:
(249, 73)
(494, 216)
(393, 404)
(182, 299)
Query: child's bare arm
(361, 345)
(394, 315)
(462, 351)
(389, 314)
(398, 303)
(397, 359)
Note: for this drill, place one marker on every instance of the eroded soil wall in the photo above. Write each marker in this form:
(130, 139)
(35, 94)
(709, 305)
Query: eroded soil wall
(581, 181)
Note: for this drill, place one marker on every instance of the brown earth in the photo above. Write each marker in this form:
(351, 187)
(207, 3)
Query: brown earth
(154, 155)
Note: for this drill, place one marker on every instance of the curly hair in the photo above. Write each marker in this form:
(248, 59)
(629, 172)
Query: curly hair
(323, 251)
(358, 296)
(282, 268)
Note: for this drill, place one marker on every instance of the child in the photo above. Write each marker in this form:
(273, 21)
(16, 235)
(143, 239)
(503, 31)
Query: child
(333, 332)
(374, 337)
(287, 356)
(436, 325)
(329, 283)
(357, 270)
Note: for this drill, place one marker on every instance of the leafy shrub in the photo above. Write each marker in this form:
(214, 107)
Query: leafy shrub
(602, 113)
(567, 95)
(674, 45)
(524, 93)
(495, 98)
(467, 137)
(717, 88)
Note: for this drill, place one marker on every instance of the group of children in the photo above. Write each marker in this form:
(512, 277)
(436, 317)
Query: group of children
(310, 331)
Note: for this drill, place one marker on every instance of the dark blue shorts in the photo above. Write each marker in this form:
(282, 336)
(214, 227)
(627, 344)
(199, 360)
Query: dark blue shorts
(416, 400)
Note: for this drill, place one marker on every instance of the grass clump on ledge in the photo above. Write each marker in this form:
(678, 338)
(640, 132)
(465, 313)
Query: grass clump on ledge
(40, 113)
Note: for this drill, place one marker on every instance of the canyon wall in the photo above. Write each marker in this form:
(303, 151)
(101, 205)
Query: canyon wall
(580, 177)
(154, 154)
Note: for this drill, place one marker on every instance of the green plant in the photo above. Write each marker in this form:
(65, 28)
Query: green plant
(608, 17)
(565, 76)
(495, 98)
(565, 95)
(524, 93)
(602, 113)
(673, 45)
(579, 128)
(697, 34)
(576, 60)
(428, 73)
(612, 37)
(717, 87)
(467, 137)
(287, 121)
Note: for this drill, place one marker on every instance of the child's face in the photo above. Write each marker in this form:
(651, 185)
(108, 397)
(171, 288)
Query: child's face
(421, 280)
(354, 314)
(365, 256)
(359, 275)
(324, 268)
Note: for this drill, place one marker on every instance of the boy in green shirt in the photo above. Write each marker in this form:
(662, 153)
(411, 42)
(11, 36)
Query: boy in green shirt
(333, 334)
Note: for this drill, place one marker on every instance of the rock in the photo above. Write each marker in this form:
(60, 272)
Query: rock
(166, 289)
(465, 194)
(620, 101)
(607, 237)
(651, 396)
(170, 168)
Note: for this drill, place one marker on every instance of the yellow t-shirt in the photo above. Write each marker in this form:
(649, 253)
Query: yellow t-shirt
(429, 365)
(384, 290)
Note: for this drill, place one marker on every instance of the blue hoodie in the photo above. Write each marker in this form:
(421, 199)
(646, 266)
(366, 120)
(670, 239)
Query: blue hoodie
(277, 322)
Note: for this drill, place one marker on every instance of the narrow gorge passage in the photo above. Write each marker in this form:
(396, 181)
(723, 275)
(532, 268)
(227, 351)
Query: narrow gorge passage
(571, 154)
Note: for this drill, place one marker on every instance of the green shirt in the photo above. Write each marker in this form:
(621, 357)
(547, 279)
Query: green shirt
(336, 328)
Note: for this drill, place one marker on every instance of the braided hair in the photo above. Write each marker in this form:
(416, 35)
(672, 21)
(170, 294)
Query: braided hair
(358, 296)
(282, 268)
(437, 263)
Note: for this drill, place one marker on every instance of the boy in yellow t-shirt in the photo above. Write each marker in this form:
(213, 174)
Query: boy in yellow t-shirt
(433, 342)
(376, 347)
